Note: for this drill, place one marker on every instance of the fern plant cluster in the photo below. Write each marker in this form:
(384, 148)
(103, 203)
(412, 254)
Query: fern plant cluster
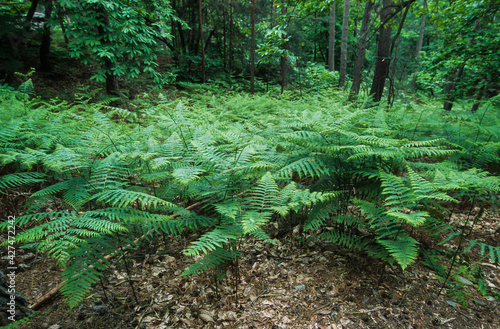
(227, 165)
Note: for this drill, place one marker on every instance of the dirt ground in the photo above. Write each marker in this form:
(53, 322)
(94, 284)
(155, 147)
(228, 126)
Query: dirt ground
(290, 285)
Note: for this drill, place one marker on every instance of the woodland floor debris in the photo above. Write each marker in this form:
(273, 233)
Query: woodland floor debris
(342, 289)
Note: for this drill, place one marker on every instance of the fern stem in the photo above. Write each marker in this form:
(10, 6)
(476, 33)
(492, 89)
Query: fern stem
(460, 242)
(110, 139)
(180, 129)
(129, 279)
(481, 121)
(149, 171)
(416, 125)
(103, 289)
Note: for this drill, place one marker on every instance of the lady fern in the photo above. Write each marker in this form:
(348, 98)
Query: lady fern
(360, 178)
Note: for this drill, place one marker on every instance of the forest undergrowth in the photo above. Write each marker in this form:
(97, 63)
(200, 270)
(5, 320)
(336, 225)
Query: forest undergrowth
(86, 181)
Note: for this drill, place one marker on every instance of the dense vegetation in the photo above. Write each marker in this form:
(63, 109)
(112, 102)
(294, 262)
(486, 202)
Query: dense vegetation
(177, 155)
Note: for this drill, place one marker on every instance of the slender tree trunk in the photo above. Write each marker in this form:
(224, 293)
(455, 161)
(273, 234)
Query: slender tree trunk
(479, 95)
(202, 46)
(343, 48)
(224, 36)
(383, 60)
(230, 36)
(29, 17)
(45, 64)
(60, 13)
(314, 42)
(418, 48)
(331, 40)
(112, 87)
(361, 49)
(385, 46)
(252, 50)
(450, 87)
(394, 50)
(283, 55)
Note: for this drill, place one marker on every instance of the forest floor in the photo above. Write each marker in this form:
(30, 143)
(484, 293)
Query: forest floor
(292, 284)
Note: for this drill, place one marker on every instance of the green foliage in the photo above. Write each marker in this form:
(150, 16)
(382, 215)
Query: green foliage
(121, 36)
(226, 166)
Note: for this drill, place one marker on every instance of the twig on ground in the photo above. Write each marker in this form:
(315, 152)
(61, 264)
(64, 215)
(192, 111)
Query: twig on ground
(262, 293)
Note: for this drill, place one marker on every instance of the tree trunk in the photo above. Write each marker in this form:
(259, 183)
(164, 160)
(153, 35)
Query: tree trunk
(331, 40)
(230, 36)
(45, 64)
(343, 48)
(224, 36)
(418, 48)
(252, 50)
(479, 95)
(361, 49)
(112, 87)
(283, 55)
(383, 60)
(29, 17)
(394, 49)
(202, 46)
(450, 87)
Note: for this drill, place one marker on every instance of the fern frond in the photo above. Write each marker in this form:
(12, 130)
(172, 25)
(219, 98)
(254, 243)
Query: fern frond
(20, 179)
(214, 260)
(127, 198)
(404, 250)
(346, 239)
(213, 240)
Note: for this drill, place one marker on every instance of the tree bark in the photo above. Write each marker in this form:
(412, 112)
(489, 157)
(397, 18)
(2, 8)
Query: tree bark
(385, 46)
(230, 36)
(418, 48)
(455, 78)
(29, 17)
(450, 87)
(112, 87)
(479, 95)
(383, 59)
(202, 46)
(45, 63)
(252, 51)
(343, 47)
(331, 40)
(394, 49)
(361, 50)
(283, 56)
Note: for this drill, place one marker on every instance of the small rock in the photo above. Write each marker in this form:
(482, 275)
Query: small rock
(480, 303)
(300, 287)
(205, 317)
(100, 309)
(54, 326)
(464, 281)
